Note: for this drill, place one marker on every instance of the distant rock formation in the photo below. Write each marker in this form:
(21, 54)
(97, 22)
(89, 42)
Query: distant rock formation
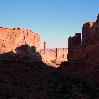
(54, 56)
(88, 47)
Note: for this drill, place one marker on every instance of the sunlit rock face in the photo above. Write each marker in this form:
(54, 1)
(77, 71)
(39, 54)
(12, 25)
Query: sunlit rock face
(86, 48)
(10, 39)
(55, 56)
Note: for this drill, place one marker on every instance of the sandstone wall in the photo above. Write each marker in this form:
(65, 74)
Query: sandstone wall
(10, 39)
(88, 48)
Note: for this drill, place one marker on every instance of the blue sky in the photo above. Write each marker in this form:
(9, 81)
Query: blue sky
(54, 20)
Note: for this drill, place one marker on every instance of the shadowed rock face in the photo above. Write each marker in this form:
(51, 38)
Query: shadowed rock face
(24, 53)
(88, 47)
(15, 37)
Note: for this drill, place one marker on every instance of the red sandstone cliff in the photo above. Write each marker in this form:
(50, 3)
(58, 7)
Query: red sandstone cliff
(88, 47)
(10, 39)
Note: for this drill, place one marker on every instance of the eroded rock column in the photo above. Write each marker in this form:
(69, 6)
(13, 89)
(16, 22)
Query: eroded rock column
(44, 47)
